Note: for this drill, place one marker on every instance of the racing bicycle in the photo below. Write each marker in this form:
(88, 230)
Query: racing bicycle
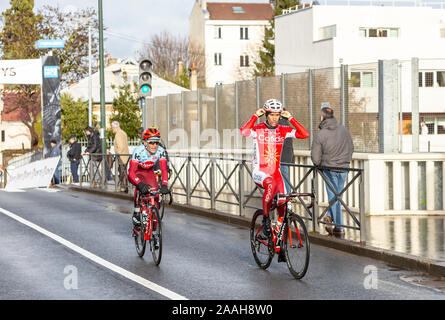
(150, 227)
(292, 237)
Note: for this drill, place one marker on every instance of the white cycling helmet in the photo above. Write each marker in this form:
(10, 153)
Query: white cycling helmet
(273, 105)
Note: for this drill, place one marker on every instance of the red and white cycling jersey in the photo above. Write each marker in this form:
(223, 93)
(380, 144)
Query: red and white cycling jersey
(268, 145)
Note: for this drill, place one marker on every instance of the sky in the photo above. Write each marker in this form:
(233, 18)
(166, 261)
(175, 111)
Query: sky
(135, 19)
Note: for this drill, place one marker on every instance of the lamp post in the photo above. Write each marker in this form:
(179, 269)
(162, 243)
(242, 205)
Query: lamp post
(102, 80)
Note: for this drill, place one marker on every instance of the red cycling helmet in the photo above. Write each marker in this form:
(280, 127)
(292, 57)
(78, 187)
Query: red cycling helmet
(151, 134)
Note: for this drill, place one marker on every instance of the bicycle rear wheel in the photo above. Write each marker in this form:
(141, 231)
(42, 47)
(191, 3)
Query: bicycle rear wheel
(156, 236)
(139, 239)
(263, 251)
(297, 247)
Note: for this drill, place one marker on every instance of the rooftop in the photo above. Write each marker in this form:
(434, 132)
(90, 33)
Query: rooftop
(436, 4)
(239, 11)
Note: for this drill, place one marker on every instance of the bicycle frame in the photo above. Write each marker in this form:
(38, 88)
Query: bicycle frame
(278, 238)
(148, 202)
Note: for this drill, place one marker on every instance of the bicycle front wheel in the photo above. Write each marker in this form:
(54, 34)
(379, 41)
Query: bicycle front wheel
(156, 236)
(297, 246)
(263, 251)
(162, 206)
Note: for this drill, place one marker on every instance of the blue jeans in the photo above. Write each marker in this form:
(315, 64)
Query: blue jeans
(337, 180)
(285, 172)
(74, 168)
(57, 176)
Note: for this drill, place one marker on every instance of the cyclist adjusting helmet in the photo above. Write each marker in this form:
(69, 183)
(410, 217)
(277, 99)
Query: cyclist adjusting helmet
(268, 142)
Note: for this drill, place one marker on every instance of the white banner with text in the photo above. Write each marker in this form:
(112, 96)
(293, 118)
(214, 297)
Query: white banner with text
(32, 175)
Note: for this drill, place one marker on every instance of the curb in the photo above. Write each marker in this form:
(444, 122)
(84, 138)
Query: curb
(397, 259)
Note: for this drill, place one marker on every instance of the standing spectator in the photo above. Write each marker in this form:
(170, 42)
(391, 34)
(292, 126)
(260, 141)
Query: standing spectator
(121, 147)
(424, 131)
(74, 155)
(332, 147)
(55, 152)
(287, 155)
(93, 145)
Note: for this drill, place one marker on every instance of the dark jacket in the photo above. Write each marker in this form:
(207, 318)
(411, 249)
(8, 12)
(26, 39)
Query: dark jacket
(287, 154)
(94, 145)
(332, 145)
(74, 152)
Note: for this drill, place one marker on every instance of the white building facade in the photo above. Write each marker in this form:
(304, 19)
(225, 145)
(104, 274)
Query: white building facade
(326, 36)
(321, 36)
(230, 36)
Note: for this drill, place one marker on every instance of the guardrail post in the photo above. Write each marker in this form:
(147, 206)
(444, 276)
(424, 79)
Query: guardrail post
(116, 173)
(212, 184)
(362, 210)
(315, 211)
(187, 180)
(91, 170)
(80, 171)
(241, 188)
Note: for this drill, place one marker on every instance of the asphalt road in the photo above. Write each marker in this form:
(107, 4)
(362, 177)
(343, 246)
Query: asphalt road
(60, 244)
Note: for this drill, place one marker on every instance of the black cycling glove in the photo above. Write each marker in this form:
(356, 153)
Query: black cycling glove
(144, 188)
(164, 189)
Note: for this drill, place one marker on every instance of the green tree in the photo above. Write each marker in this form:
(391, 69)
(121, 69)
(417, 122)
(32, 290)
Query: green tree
(20, 31)
(126, 109)
(74, 116)
(266, 64)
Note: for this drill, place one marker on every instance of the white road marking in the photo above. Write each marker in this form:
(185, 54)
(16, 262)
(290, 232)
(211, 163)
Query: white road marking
(127, 274)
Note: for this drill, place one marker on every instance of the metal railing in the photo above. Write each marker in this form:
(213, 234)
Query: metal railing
(226, 184)
(228, 181)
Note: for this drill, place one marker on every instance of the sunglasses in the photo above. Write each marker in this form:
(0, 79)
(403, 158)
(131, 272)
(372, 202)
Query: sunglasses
(152, 142)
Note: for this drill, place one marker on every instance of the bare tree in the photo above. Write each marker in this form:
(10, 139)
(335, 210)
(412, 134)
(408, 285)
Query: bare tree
(166, 49)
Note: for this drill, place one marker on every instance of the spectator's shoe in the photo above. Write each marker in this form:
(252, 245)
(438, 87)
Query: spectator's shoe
(282, 256)
(124, 190)
(339, 233)
(329, 229)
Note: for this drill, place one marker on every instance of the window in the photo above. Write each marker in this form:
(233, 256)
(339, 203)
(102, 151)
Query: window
(394, 33)
(327, 32)
(440, 125)
(372, 33)
(244, 61)
(218, 32)
(440, 78)
(3, 135)
(367, 80)
(429, 79)
(237, 9)
(420, 79)
(244, 33)
(362, 79)
(379, 32)
(217, 59)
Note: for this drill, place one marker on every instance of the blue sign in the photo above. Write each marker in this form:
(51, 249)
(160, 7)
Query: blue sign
(50, 44)
(50, 72)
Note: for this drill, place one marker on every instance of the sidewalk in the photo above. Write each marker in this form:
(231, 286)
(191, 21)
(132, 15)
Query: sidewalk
(414, 243)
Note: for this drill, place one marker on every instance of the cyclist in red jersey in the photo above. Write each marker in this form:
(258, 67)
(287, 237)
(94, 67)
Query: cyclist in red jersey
(268, 142)
(141, 173)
